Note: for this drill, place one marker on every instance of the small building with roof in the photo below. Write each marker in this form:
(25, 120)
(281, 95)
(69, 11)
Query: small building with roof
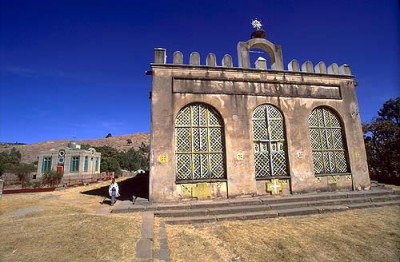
(72, 161)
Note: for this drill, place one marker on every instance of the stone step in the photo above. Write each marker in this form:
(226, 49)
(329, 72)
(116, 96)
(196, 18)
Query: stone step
(374, 204)
(278, 202)
(254, 215)
(211, 210)
(268, 200)
(277, 213)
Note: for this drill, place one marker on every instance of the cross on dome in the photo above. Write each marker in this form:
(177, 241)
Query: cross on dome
(256, 24)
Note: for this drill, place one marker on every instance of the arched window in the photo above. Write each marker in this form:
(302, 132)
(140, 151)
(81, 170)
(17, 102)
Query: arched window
(269, 142)
(327, 142)
(199, 137)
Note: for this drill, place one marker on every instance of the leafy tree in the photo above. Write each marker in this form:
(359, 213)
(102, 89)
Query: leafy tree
(9, 160)
(109, 159)
(382, 141)
(113, 160)
(130, 160)
(110, 164)
(22, 170)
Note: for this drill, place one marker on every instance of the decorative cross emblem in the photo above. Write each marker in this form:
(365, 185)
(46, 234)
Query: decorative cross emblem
(274, 186)
(256, 24)
(163, 159)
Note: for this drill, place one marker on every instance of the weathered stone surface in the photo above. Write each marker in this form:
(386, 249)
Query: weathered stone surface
(294, 66)
(345, 70)
(147, 225)
(178, 58)
(144, 249)
(211, 60)
(307, 67)
(274, 52)
(320, 68)
(333, 69)
(227, 61)
(160, 56)
(195, 58)
(261, 63)
(270, 88)
(234, 94)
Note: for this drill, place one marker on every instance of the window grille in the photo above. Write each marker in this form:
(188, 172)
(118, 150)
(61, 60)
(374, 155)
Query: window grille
(327, 142)
(199, 138)
(269, 142)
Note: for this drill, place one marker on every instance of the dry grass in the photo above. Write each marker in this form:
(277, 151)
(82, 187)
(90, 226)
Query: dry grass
(69, 226)
(65, 226)
(361, 235)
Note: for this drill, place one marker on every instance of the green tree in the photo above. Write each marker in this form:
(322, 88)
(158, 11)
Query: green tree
(113, 160)
(9, 160)
(130, 160)
(382, 141)
(23, 170)
(109, 159)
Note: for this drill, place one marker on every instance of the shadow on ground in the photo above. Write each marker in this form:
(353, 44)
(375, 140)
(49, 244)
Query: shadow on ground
(136, 186)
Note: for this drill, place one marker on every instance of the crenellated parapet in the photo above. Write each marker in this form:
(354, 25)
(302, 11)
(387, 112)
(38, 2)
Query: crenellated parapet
(272, 51)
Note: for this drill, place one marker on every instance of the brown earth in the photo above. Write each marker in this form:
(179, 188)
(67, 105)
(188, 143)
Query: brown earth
(30, 152)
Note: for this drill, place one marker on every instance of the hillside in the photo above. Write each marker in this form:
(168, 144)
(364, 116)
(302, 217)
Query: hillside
(30, 152)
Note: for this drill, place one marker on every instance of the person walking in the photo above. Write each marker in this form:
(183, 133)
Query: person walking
(113, 191)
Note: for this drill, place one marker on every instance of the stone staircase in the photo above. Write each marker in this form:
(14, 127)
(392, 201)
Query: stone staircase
(262, 207)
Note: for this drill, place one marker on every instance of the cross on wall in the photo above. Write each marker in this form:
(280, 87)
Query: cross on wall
(274, 186)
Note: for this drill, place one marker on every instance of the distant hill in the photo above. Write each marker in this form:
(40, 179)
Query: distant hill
(29, 152)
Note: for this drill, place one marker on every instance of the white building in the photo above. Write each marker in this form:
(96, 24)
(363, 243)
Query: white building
(72, 161)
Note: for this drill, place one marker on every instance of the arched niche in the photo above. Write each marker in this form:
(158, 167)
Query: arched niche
(274, 52)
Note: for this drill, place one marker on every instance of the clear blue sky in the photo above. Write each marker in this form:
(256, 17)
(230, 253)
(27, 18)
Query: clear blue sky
(76, 68)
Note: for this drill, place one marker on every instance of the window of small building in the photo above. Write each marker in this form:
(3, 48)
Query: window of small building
(86, 165)
(97, 164)
(46, 164)
(327, 142)
(74, 164)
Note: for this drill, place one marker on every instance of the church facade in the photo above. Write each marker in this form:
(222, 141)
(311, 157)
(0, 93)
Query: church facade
(219, 131)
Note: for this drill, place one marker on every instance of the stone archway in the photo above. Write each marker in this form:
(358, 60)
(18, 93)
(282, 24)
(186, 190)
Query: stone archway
(274, 52)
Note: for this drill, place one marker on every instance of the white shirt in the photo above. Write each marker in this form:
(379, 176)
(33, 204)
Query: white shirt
(113, 185)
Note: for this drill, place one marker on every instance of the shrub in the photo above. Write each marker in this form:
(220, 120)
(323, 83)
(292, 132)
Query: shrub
(51, 178)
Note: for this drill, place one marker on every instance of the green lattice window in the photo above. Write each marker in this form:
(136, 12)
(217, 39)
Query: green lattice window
(269, 142)
(327, 142)
(199, 138)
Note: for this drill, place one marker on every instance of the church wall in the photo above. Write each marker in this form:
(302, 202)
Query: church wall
(235, 93)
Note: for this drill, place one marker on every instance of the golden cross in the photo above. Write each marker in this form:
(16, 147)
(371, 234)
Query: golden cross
(274, 186)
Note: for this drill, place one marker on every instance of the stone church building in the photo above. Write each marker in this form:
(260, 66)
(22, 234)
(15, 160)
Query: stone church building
(219, 131)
